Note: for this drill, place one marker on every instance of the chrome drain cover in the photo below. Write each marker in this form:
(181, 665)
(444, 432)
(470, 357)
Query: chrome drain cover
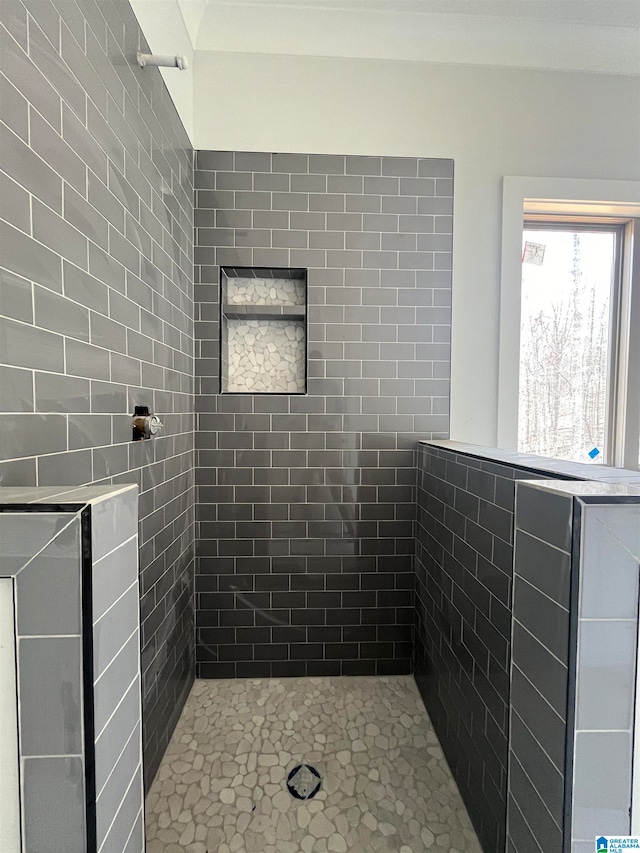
(304, 782)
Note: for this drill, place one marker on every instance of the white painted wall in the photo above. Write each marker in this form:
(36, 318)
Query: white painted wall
(492, 121)
(10, 775)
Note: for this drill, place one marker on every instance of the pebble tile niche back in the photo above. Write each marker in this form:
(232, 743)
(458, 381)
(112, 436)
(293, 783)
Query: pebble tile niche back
(264, 337)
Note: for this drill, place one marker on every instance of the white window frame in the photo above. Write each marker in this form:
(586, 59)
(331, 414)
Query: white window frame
(606, 198)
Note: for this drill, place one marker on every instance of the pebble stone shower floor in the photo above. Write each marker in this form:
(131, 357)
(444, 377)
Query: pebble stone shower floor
(386, 787)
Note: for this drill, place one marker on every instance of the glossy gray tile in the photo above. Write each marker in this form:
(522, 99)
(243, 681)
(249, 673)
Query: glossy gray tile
(113, 738)
(53, 231)
(543, 566)
(111, 795)
(73, 468)
(114, 522)
(16, 297)
(89, 431)
(46, 432)
(113, 574)
(542, 617)
(545, 724)
(535, 816)
(18, 472)
(611, 554)
(30, 171)
(15, 109)
(54, 151)
(54, 794)
(58, 393)
(22, 539)
(544, 515)
(85, 288)
(126, 820)
(113, 683)
(545, 778)
(50, 696)
(111, 629)
(546, 673)
(48, 587)
(14, 204)
(16, 390)
(85, 360)
(602, 788)
(606, 667)
(31, 347)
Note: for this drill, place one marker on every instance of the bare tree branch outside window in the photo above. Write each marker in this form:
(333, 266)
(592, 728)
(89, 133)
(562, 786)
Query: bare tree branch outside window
(564, 345)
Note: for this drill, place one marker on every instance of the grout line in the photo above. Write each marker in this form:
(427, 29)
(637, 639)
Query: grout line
(528, 583)
(111, 606)
(135, 631)
(136, 728)
(134, 684)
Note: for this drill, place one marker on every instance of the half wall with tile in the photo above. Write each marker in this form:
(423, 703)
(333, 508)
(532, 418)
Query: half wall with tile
(497, 642)
(76, 648)
(462, 636)
(306, 503)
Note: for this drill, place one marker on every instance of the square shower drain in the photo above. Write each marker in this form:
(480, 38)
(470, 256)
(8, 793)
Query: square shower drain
(304, 782)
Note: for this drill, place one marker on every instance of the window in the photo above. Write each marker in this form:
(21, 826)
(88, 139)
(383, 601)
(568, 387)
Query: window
(570, 292)
(570, 325)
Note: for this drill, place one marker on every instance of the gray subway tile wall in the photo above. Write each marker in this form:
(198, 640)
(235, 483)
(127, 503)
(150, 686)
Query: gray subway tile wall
(96, 298)
(462, 635)
(306, 503)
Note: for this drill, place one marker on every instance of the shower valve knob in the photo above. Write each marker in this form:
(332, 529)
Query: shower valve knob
(145, 425)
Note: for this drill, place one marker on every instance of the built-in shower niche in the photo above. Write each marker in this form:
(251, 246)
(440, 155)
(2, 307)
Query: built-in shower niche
(263, 326)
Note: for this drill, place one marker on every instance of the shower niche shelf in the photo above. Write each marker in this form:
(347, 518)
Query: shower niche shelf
(263, 325)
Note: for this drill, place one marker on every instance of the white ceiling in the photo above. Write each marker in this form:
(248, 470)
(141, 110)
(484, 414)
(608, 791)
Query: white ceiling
(576, 35)
(616, 13)
(597, 36)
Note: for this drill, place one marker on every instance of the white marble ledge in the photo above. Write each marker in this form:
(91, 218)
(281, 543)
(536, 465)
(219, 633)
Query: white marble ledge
(11, 495)
(558, 467)
(583, 488)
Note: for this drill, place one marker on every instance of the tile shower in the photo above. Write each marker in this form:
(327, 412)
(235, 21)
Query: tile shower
(286, 541)
(306, 503)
